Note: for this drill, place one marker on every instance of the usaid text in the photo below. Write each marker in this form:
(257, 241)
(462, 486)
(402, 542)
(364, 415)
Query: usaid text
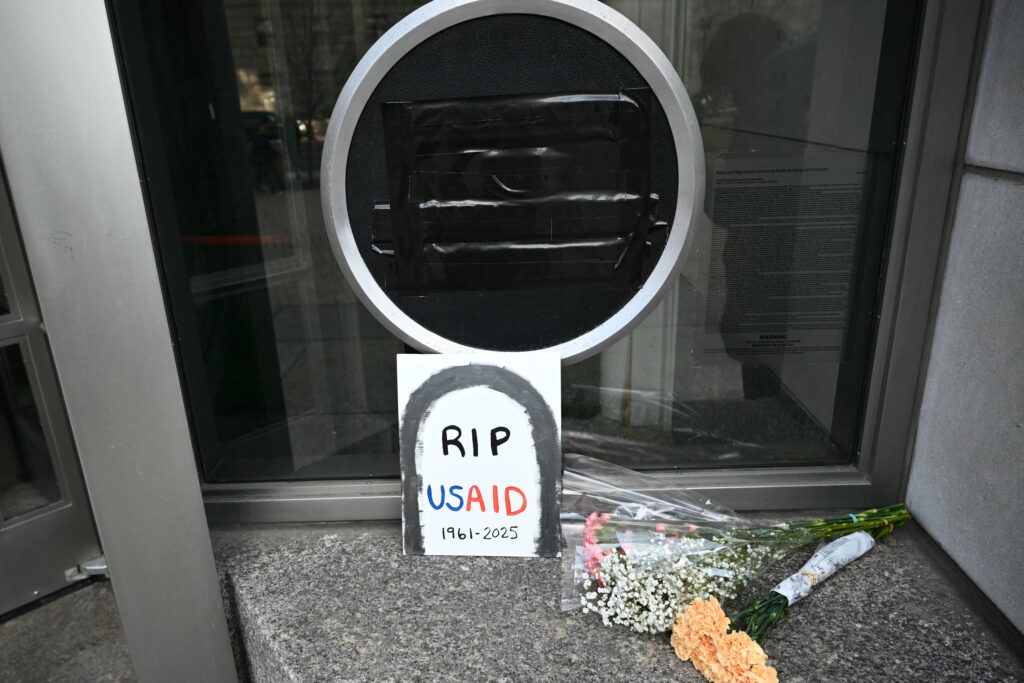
(464, 496)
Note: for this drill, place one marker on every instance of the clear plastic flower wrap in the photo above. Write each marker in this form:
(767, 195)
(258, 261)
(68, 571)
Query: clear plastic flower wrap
(636, 554)
(593, 485)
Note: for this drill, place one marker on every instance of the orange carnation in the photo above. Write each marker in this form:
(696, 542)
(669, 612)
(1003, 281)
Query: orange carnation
(701, 635)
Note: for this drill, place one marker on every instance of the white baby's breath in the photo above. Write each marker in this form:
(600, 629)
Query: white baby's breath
(643, 588)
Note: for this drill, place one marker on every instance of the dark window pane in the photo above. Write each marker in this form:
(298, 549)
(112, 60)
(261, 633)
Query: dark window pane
(27, 480)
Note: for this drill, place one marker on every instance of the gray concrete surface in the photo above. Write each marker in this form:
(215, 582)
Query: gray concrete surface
(997, 127)
(967, 471)
(341, 603)
(968, 465)
(76, 638)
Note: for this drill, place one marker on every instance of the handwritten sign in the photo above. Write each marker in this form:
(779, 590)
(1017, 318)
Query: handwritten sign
(481, 453)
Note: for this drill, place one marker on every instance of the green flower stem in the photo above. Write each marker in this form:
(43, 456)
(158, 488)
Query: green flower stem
(763, 614)
(879, 522)
(760, 616)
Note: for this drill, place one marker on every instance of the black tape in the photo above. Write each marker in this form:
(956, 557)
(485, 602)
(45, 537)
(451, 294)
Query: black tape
(521, 192)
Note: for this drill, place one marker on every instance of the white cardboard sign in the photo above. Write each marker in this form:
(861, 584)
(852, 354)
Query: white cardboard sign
(481, 454)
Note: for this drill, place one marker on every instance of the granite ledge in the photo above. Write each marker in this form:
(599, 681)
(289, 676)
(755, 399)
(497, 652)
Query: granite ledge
(341, 603)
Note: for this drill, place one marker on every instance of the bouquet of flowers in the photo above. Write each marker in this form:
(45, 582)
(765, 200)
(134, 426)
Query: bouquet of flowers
(638, 555)
(640, 575)
(727, 649)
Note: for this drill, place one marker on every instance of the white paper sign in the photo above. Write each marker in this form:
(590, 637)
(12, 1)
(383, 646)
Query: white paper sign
(480, 441)
(783, 253)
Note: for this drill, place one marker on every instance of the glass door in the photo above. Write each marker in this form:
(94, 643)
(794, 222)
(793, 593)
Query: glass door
(46, 526)
(759, 359)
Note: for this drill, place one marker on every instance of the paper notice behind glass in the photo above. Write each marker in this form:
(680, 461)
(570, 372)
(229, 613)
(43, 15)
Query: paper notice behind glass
(783, 251)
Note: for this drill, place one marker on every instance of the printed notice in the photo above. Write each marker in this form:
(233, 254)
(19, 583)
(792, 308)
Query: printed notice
(479, 436)
(783, 252)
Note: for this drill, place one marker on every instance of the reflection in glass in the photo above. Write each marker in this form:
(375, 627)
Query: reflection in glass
(27, 480)
(757, 357)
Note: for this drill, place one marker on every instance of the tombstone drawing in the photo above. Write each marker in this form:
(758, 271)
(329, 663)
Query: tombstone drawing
(480, 454)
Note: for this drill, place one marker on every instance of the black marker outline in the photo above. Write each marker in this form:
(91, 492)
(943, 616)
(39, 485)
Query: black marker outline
(544, 430)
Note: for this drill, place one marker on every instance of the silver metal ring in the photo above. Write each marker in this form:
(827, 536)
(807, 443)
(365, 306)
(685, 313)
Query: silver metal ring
(590, 15)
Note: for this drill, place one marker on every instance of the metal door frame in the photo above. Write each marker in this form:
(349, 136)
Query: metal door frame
(36, 548)
(75, 188)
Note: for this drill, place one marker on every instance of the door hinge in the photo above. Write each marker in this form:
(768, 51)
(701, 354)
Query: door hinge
(97, 566)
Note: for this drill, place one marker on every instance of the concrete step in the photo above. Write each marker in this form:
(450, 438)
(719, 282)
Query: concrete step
(340, 602)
